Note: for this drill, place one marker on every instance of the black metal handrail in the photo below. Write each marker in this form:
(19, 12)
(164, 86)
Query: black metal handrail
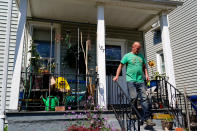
(126, 112)
(174, 101)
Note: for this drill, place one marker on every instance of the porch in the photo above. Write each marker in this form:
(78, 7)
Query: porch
(68, 60)
(70, 24)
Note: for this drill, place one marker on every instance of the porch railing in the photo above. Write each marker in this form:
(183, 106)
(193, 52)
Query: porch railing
(176, 103)
(126, 112)
(165, 96)
(46, 91)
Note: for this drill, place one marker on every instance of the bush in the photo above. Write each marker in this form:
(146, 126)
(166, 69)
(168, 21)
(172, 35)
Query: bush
(92, 121)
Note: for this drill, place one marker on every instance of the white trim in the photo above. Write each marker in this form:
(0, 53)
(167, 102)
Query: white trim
(115, 40)
(29, 13)
(14, 95)
(159, 61)
(167, 48)
(30, 34)
(148, 25)
(57, 49)
(51, 44)
(102, 100)
(44, 24)
(164, 24)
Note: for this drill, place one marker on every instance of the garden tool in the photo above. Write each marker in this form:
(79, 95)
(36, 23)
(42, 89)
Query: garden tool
(50, 103)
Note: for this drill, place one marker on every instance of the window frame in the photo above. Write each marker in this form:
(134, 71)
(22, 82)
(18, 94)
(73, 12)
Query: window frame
(160, 63)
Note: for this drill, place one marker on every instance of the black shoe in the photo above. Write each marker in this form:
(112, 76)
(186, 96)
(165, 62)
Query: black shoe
(150, 123)
(141, 123)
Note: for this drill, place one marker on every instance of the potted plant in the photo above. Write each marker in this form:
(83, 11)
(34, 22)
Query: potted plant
(90, 120)
(167, 123)
(35, 59)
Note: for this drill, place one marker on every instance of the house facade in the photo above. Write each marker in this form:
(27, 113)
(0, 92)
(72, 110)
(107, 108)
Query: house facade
(60, 28)
(183, 36)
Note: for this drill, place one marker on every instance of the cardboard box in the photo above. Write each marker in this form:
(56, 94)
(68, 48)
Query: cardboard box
(60, 108)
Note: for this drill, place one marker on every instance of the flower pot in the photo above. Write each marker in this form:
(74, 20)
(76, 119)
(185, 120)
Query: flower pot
(45, 72)
(37, 82)
(60, 108)
(178, 129)
(81, 128)
(166, 124)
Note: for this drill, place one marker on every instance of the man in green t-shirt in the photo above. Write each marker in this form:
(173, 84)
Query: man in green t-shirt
(135, 68)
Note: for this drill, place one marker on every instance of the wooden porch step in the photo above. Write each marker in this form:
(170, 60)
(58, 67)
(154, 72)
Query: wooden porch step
(162, 116)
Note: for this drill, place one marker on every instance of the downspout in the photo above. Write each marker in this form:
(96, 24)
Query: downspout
(5, 66)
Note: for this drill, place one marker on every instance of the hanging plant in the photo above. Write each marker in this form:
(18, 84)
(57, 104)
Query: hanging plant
(35, 59)
(67, 39)
(71, 58)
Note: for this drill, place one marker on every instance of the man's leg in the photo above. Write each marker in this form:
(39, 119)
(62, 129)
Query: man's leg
(144, 100)
(132, 91)
(144, 103)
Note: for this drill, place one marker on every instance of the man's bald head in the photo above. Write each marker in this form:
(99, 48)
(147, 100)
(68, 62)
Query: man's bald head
(136, 47)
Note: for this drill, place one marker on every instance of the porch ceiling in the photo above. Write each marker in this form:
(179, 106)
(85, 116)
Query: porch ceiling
(121, 13)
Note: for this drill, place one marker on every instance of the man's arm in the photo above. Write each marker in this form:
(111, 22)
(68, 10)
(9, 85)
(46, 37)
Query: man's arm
(146, 72)
(118, 72)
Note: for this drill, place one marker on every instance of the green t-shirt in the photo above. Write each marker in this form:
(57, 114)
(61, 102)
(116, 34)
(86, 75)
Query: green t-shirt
(134, 67)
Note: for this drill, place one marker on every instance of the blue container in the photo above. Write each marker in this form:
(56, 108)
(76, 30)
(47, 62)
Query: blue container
(194, 100)
(153, 83)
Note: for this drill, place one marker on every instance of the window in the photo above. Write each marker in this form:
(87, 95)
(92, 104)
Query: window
(161, 62)
(157, 36)
(113, 57)
(43, 48)
(42, 40)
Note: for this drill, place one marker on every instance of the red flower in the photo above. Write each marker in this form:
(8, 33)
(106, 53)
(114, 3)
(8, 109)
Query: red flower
(81, 128)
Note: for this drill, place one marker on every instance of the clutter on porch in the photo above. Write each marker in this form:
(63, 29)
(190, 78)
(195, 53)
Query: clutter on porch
(44, 88)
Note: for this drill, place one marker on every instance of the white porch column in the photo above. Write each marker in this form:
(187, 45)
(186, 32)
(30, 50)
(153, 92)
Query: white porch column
(164, 25)
(102, 100)
(18, 56)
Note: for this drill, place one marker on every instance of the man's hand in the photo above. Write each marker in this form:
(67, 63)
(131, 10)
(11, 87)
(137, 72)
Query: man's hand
(118, 72)
(115, 78)
(146, 73)
(147, 78)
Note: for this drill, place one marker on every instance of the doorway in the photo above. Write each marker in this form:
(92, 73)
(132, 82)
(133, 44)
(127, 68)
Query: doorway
(115, 50)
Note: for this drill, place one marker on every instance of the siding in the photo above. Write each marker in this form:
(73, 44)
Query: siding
(151, 49)
(183, 35)
(14, 22)
(183, 31)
